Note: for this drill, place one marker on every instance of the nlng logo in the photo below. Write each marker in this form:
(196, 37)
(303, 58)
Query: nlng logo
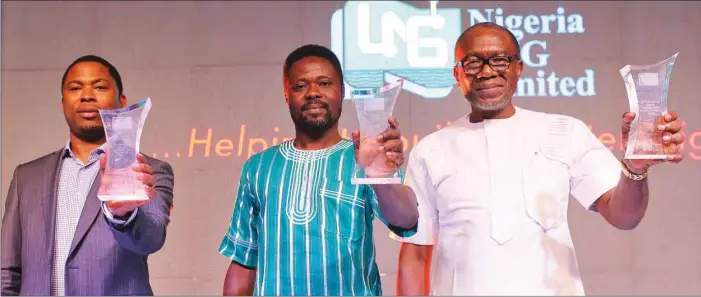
(379, 42)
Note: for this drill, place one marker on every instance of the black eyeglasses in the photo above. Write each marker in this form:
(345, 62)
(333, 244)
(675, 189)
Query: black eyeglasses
(473, 65)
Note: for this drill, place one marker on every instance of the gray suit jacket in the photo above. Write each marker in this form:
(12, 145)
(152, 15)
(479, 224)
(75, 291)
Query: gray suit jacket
(102, 260)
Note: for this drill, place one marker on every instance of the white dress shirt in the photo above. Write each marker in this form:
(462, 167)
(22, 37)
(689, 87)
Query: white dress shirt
(493, 200)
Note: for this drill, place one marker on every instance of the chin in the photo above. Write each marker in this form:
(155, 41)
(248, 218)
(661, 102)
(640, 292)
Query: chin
(87, 127)
(314, 121)
(323, 125)
(490, 104)
(91, 128)
(91, 135)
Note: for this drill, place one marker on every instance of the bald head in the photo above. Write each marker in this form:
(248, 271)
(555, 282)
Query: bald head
(480, 29)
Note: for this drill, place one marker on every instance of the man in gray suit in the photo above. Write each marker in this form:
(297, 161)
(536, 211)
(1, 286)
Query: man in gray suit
(57, 237)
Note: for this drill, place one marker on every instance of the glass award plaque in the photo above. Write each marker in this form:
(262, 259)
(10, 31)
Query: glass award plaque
(646, 86)
(374, 107)
(123, 129)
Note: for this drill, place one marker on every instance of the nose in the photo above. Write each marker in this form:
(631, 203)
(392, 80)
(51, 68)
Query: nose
(87, 95)
(486, 72)
(312, 92)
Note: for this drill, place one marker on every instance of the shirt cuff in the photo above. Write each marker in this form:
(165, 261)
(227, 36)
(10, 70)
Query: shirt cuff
(591, 189)
(116, 221)
(425, 234)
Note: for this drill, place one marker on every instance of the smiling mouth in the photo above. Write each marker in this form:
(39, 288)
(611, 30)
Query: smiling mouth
(490, 92)
(488, 88)
(315, 109)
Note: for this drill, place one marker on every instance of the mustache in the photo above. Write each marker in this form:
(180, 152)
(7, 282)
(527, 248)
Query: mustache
(308, 104)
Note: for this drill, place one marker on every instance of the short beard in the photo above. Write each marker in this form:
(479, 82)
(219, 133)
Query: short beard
(317, 127)
(91, 134)
(489, 106)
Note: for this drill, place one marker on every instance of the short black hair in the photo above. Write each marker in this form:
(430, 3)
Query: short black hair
(493, 26)
(313, 50)
(92, 58)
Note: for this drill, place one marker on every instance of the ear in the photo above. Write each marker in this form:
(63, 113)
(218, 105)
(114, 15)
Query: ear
(460, 78)
(285, 84)
(122, 101)
(456, 74)
(519, 68)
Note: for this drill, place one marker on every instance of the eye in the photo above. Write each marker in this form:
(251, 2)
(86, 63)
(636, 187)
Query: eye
(325, 83)
(101, 87)
(499, 61)
(473, 63)
(73, 89)
(298, 86)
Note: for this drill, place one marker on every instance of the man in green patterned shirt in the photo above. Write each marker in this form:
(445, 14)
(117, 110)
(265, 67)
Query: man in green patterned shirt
(299, 226)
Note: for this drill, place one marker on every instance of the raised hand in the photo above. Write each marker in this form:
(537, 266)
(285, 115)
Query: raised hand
(668, 127)
(382, 155)
(145, 175)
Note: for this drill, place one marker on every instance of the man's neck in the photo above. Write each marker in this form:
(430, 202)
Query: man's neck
(82, 149)
(305, 141)
(478, 115)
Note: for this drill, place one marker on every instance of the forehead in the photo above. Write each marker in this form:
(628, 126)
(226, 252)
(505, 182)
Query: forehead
(310, 67)
(485, 42)
(88, 70)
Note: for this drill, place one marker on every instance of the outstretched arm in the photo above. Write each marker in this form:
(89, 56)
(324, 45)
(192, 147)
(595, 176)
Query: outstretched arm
(618, 190)
(625, 205)
(397, 202)
(145, 233)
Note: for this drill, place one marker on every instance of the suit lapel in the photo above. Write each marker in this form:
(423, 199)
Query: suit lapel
(51, 197)
(87, 217)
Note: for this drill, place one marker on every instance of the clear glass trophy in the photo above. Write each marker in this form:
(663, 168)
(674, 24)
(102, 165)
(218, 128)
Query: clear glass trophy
(374, 107)
(646, 87)
(123, 129)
